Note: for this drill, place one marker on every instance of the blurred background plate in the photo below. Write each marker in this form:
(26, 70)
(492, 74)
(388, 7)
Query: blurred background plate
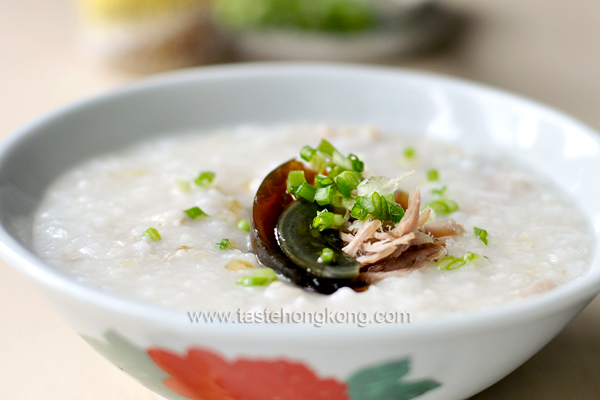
(415, 28)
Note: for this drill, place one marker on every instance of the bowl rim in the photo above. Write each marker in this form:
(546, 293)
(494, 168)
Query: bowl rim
(576, 292)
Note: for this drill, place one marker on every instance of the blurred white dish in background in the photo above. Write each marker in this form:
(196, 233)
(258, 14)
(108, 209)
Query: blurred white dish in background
(409, 27)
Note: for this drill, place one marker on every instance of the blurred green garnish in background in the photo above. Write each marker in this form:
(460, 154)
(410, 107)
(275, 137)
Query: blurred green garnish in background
(315, 15)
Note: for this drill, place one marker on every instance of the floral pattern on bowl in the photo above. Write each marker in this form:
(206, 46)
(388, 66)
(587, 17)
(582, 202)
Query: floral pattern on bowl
(202, 374)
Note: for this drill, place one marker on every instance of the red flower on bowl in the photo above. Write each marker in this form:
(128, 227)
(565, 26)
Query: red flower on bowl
(203, 375)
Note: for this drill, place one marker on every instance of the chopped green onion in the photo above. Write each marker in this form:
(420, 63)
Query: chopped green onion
(307, 153)
(205, 178)
(347, 181)
(306, 192)
(336, 157)
(334, 185)
(433, 175)
(372, 204)
(471, 256)
(260, 277)
(336, 170)
(324, 196)
(183, 186)
(243, 225)
(323, 181)
(341, 202)
(481, 234)
(341, 160)
(265, 273)
(323, 220)
(443, 206)
(195, 212)
(326, 147)
(452, 262)
(326, 256)
(364, 206)
(319, 161)
(223, 244)
(328, 220)
(449, 263)
(294, 180)
(440, 192)
(358, 211)
(357, 165)
(410, 153)
(380, 207)
(396, 212)
(152, 234)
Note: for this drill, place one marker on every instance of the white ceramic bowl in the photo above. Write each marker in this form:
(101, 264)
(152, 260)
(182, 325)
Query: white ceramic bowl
(447, 358)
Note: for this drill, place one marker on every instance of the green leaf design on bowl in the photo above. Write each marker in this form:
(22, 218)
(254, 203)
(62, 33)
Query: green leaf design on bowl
(384, 382)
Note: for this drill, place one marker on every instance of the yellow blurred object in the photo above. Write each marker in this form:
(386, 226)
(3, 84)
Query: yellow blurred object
(150, 35)
(111, 10)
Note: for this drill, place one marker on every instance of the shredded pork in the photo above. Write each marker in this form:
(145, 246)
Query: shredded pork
(384, 250)
(410, 260)
(366, 232)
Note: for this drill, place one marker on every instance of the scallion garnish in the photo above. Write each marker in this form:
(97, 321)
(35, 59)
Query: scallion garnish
(410, 153)
(340, 160)
(294, 180)
(433, 175)
(326, 147)
(152, 234)
(307, 153)
(334, 185)
(336, 170)
(223, 244)
(306, 192)
(205, 178)
(323, 220)
(243, 225)
(358, 210)
(452, 262)
(319, 161)
(440, 192)
(326, 256)
(342, 203)
(481, 234)
(260, 277)
(396, 212)
(323, 181)
(328, 220)
(357, 165)
(443, 206)
(347, 181)
(324, 195)
(195, 212)
(380, 207)
(327, 157)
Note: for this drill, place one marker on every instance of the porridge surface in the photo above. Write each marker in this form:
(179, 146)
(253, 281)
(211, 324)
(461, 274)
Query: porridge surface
(90, 224)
